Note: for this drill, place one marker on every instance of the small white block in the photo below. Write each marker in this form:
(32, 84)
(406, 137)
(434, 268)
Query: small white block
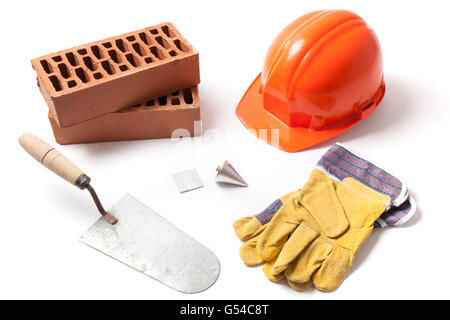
(187, 180)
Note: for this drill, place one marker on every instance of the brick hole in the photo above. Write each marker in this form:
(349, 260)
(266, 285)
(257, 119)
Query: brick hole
(187, 96)
(175, 101)
(81, 75)
(148, 60)
(47, 67)
(71, 83)
(137, 48)
(72, 59)
(136, 106)
(121, 45)
(150, 103)
(180, 45)
(131, 38)
(162, 101)
(63, 70)
(123, 68)
(175, 93)
(97, 52)
(173, 53)
(57, 58)
(107, 67)
(107, 45)
(114, 56)
(157, 53)
(154, 31)
(168, 32)
(143, 37)
(163, 42)
(55, 82)
(98, 75)
(131, 59)
(88, 63)
(82, 51)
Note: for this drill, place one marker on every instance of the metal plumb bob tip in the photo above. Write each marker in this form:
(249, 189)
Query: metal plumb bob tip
(227, 174)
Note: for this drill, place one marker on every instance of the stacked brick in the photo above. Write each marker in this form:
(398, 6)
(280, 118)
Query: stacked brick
(140, 85)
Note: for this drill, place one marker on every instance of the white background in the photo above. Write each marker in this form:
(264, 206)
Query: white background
(42, 216)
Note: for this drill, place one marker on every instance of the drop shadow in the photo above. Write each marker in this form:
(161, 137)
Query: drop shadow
(207, 114)
(283, 282)
(214, 116)
(417, 215)
(105, 149)
(286, 285)
(230, 186)
(83, 209)
(375, 236)
(361, 257)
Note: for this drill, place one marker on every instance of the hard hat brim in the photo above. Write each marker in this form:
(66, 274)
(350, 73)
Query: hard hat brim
(273, 131)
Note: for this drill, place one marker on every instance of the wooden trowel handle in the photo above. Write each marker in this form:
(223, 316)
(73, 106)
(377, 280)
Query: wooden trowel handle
(54, 160)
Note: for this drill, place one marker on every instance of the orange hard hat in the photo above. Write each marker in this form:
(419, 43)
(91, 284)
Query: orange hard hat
(322, 75)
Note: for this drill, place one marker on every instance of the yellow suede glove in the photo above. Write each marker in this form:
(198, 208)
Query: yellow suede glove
(249, 228)
(314, 236)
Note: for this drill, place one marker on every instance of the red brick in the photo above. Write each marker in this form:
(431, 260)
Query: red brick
(105, 76)
(156, 118)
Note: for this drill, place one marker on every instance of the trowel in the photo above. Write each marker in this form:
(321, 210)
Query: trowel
(134, 234)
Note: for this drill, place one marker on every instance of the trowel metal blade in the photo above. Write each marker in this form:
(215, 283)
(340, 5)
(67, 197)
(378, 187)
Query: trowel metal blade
(227, 174)
(147, 242)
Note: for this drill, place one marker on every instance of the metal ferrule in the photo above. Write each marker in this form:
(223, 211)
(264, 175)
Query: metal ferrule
(82, 181)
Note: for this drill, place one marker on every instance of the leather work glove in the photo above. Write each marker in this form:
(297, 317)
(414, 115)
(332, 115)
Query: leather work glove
(338, 163)
(316, 235)
(249, 228)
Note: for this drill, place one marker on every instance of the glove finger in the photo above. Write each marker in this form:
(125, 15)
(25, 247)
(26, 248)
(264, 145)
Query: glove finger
(319, 197)
(267, 269)
(249, 254)
(309, 261)
(333, 270)
(299, 286)
(247, 227)
(273, 238)
(301, 238)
